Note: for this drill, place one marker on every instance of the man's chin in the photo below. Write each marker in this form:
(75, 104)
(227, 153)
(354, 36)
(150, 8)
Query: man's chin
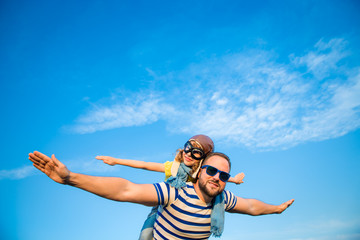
(213, 192)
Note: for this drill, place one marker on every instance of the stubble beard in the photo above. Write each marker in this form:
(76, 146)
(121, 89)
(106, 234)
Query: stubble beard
(207, 190)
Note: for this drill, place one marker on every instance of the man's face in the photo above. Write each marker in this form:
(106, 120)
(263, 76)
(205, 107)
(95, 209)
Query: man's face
(212, 185)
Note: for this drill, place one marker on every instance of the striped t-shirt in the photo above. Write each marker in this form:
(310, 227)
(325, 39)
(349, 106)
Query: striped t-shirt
(182, 214)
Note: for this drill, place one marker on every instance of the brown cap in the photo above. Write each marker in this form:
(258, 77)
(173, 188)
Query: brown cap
(205, 142)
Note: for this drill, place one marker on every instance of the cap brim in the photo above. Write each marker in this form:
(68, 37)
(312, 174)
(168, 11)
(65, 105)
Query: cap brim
(194, 175)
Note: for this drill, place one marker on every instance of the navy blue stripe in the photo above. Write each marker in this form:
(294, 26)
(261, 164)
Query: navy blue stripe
(230, 200)
(190, 213)
(182, 230)
(157, 192)
(193, 205)
(162, 196)
(176, 193)
(162, 236)
(190, 195)
(235, 201)
(168, 231)
(186, 222)
(168, 190)
(173, 234)
(226, 199)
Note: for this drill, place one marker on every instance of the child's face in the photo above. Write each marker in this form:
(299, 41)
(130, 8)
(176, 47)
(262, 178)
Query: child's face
(188, 160)
(192, 153)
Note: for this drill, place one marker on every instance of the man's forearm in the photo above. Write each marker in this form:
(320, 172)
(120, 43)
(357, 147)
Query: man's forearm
(261, 208)
(117, 189)
(108, 187)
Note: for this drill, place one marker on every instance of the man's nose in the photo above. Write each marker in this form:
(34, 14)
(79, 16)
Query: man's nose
(217, 176)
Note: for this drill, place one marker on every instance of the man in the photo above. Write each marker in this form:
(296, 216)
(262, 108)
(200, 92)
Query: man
(185, 213)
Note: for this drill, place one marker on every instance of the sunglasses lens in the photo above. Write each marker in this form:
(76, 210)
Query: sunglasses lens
(211, 170)
(224, 176)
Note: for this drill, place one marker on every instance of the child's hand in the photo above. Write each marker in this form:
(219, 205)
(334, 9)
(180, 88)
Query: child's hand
(239, 178)
(106, 159)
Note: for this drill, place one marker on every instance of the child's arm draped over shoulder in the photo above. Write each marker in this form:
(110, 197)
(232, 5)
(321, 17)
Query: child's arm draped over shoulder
(151, 166)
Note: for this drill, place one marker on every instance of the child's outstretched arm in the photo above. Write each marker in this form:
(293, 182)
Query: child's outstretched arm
(237, 179)
(151, 166)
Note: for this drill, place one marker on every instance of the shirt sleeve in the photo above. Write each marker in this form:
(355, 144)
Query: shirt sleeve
(168, 166)
(166, 194)
(230, 200)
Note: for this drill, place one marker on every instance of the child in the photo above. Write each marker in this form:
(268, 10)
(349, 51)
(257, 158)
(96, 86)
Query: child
(184, 168)
(169, 168)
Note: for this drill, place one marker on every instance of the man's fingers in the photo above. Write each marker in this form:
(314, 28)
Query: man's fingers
(55, 160)
(42, 156)
(35, 159)
(39, 167)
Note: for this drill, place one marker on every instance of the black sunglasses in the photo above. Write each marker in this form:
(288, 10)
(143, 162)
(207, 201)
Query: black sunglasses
(212, 171)
(196, 153)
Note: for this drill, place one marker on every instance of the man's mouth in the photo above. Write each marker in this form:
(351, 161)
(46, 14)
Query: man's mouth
(214, 184)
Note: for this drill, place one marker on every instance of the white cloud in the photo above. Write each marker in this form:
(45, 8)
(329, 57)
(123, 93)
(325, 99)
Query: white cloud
(324, 58)
(136, 111)
(85, 164)
(248, 98)
(18, 173)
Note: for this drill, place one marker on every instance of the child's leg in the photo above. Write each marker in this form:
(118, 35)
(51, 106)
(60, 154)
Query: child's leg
(147, 229)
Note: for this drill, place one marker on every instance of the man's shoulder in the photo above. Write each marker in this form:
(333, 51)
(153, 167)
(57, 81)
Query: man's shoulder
(230, 200)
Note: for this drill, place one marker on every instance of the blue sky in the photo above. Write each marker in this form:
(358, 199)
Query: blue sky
(275, 84)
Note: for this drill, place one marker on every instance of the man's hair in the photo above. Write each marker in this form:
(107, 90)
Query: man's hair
(218, 154)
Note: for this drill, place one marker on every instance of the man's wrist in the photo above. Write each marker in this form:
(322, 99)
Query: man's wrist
(67, 179)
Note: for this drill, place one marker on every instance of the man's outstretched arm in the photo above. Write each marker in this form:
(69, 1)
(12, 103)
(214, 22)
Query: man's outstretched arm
(255, 207)
(113, 188)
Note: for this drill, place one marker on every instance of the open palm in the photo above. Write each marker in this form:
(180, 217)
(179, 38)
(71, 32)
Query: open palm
(52, 167)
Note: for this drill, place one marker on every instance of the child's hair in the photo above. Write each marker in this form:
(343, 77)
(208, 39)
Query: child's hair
(179, 156)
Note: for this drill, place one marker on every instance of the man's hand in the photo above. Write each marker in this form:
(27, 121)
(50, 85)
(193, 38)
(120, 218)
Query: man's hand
(52, 167)
(106, 159)
(285, 205)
